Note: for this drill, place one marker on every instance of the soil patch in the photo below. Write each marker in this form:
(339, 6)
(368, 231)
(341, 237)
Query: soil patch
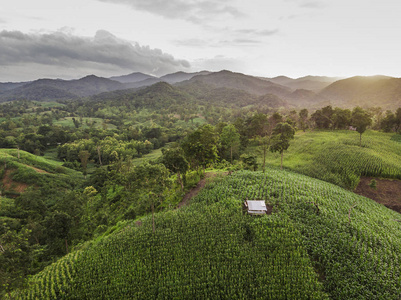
(269, 209)
(11, 185)
(194, 191)
(387, 192)
(37, 170)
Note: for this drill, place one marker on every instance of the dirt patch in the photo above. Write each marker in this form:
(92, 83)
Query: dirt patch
(11, 185)
(194, 191)
(387, 192)
(269, 209)
(37, 170)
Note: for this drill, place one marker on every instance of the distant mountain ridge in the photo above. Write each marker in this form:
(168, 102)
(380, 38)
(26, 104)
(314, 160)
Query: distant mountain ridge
(313, 83)
(58, 89)
(365, 91)
(309, 91)
(133, 77)
(239, 81)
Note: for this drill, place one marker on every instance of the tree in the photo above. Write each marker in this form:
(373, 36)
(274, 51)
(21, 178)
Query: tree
(152, 181)
(58, 225)
(303, 119)
(84, 157)
(175, 161)
(282, 134)
(361, 119)
(388, 123)
(201, 146)
(17, 258)
(323, 117)
(341, 118)
(231, 139)
(398, 119)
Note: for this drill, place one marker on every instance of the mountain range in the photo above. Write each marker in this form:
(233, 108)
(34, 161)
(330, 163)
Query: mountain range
(310, 91)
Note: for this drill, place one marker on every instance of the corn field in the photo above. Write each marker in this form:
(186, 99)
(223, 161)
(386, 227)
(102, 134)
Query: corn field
(313, 246)
(336, 157)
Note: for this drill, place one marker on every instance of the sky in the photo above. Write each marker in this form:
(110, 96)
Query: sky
(70, 39)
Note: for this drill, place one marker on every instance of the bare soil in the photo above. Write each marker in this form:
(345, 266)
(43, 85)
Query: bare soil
(194, 191)
(9, 184)
(387, 192)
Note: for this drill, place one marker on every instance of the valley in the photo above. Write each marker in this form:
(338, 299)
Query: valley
(133, 187)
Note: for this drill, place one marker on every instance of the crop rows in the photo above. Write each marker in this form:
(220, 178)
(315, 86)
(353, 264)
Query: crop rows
(358, 255)
(54, 281)
(210, 249)
(210, 252)
(336, 157)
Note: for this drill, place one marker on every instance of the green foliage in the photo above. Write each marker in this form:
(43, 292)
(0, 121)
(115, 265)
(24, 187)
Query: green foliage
(110, 149)
(175, 161)
(282, 134)
(249, 161)
(230, 138)
(335, 156)
(355, 260)
(211, 251)
(373, 184)
(201, 146)
(361, 120)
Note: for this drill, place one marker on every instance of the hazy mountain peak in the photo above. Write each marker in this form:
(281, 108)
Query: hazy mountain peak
(132, 77)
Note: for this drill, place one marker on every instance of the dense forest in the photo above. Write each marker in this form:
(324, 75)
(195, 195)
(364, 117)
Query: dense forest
(77, 172)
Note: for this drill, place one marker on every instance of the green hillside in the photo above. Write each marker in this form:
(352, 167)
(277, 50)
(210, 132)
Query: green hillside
(320, 242)
(336, 157)
(17, 174)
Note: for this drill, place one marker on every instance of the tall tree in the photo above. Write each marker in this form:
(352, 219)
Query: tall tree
(388, 123)
(84, 157)
(282, 134)
(231, 139)
(174, 160)
(303, 119)
(152, 181)
(361, 119)
(201, 146)
(323, 117)
(341, 118)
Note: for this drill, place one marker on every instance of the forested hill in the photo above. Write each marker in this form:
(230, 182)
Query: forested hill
(365, 91)
(57, 89)
(219, 87)
(312, 83)
(243, 82)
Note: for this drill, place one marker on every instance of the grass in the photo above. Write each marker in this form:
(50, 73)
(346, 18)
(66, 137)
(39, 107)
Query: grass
(336, 157)
(36, 170)
(155, 154)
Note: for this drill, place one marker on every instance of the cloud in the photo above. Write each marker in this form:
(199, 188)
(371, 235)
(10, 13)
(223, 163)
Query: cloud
(239, 37)
(78, 55)
(257, 32)
(312, 4)
(195, 11)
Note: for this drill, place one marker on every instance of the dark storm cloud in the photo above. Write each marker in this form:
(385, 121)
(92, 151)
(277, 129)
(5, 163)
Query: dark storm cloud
(195, 11)
(104, 51)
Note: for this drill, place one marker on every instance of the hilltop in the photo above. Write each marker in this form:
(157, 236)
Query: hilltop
(307, 248)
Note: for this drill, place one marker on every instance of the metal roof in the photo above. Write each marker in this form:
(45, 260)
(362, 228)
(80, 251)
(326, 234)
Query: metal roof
(254, 205)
